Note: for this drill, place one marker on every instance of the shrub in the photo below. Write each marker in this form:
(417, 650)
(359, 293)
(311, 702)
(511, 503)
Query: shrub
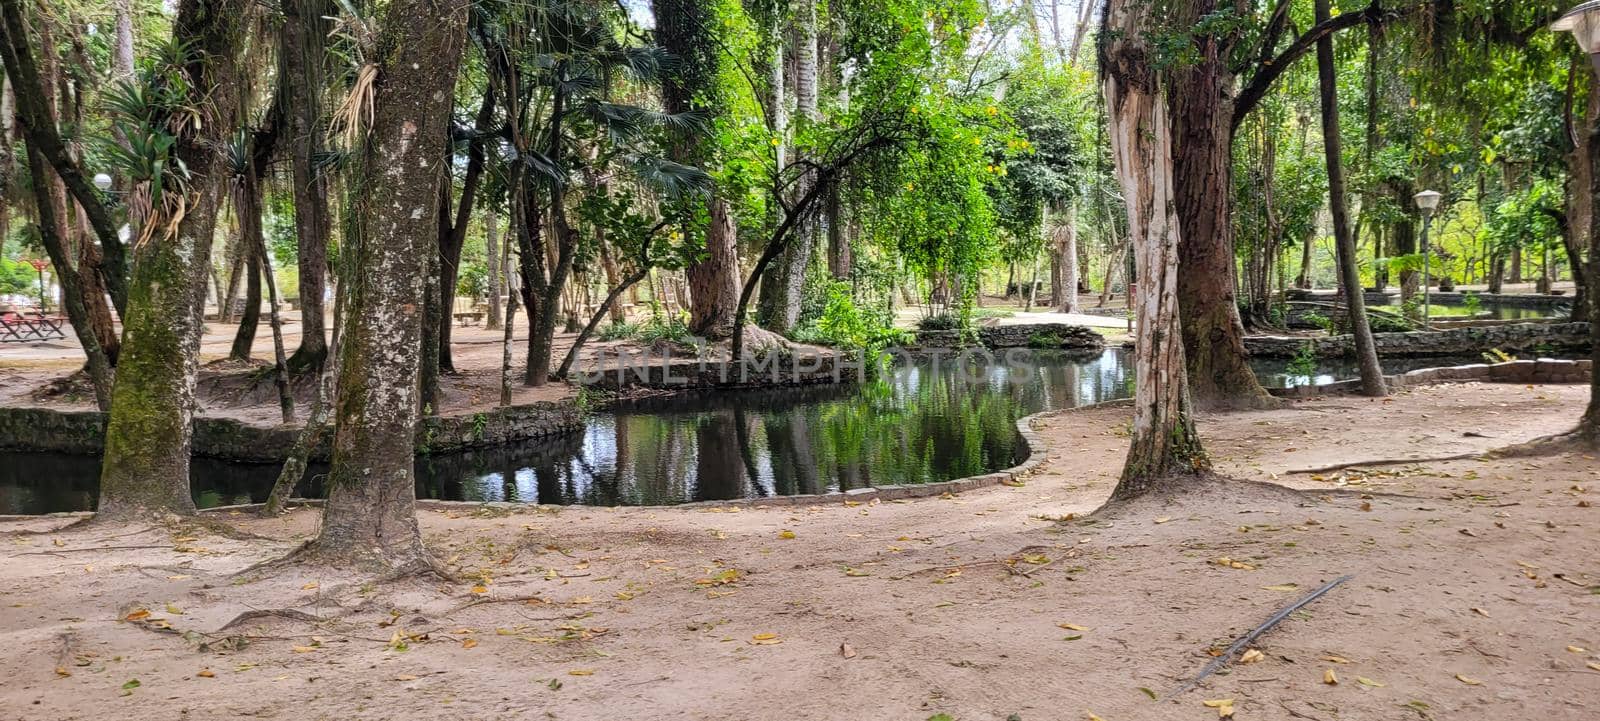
(941, 321)
(1303, 363)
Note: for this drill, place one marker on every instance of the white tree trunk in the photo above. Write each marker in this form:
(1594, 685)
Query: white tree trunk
(1164, 443)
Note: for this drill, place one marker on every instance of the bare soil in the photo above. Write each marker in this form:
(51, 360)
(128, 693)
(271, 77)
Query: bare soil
(1474, 594)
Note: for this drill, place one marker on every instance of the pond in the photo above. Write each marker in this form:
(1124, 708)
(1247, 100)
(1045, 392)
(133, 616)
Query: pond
(1496, 311)
(926, 421)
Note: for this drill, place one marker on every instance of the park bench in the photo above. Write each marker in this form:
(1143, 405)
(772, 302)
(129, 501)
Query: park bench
(469, 317)
(20, 328)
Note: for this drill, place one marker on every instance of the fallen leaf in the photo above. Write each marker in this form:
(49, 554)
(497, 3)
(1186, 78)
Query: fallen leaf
(469, 643)
(1480, 612)
(1148, 692)
(1224, 706)
(1091, 716)
(1468, 681)
(137, 615)
(847, 651)
(1163, 519)
(1329, 677)
(1577, 649)
(1593, 666)
(309, 586)
(1072, 627)
(786, 535)
(303, 649)
(765, 639)
(1281, 587)
(855, 572)
(580, 672)
(1364, 681)
(206, 673)
(480, 589)
(1251, 656)
(1336, 659)
(62, 671)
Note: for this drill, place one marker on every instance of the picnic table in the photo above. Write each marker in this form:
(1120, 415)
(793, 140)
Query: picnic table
(26, 328)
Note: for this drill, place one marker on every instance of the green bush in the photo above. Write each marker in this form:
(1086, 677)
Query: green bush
(1045, 340)
(941, 321)
(1303, 363)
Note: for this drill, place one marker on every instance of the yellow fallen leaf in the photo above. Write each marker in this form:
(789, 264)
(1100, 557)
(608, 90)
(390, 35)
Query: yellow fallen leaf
(1281, 587)
(1224, 707)
(138, 615)
(1072, 627)
(303, 649)
(1336, 659)
(1251, 656)
(765, 639)
(1329, 677)
(62, 671)
(855, 572)
(1576, 649)
(309, 586)
(1163, 519)
(1593, 666)
(1468, 681)
(1091, 716)
(1480, 612)
(580, 672)
(1364, 681)
(206, 673)
(174, 610)
(786, 535)
(469, 643)
(480, 589)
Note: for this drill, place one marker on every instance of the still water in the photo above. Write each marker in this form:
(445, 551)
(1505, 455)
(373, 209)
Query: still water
(923, 422)
(1495, 311)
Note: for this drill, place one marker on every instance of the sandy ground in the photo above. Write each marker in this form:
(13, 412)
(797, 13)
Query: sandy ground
(1476, 595)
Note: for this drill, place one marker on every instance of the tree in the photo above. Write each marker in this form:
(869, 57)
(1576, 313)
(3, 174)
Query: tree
(687, 30)
(370, 516)
(302, 77)
(1165, 447)
(190, 106)
(1355, 297)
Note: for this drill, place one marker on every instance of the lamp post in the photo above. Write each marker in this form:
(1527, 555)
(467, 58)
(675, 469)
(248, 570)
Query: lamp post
(102, 181)
(1427, 201)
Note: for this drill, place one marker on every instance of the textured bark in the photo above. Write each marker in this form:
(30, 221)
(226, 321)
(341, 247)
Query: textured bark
(1579, 198)
(146, 462)
(244, 337)
(122, 50)
(840, 255)
(453, 231)
(1064, 290)
(491, 256)
(714, 280)
(304, 59)
(72, 295)
(1589, 425)
(1213, 332)
(370, 515)
(1164, 443)
(1344, 241)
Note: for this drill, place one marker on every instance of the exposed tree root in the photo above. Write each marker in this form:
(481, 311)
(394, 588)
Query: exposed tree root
(1386, 462)
(1245, 640)
(255, 614)
(1573, 440)
(308, 554)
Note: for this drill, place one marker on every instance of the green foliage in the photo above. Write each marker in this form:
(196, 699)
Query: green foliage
(941, 321)
(845, 325)
(1045, 340)
(17, 277)
(1471, 303)
(1319, 320)
(1304, 362)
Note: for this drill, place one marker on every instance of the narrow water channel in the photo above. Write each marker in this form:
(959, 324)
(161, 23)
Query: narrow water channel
(923, 422)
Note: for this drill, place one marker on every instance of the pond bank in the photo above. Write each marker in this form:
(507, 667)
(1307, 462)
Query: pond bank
(1511, 338)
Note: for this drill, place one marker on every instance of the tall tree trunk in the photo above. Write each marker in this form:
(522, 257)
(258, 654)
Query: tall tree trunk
(1344, 242)
(1579, 222)
(1065, 234)
(491, 261)
(122, 49)
(1213, 333)
(370, 516)
(840, 258)
(280, 366)
(304, 60)
(146, 462)
(687, 29)
(453, 231)
(249, 211)
(1164, 443)
(70, 280)
(1403, 235)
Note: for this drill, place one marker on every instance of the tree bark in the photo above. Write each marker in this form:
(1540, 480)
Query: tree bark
(1345, 243)
(1213, 332)
(304, 61)
(453, 232)
(1065, 234)
(244, 337)
(370, 516)
(840, 255)
(491, 260)
(1164, 443)
(146, 462)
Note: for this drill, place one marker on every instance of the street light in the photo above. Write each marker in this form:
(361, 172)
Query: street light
(103, 181)
(1427, 201)
(39, 264)
(1583, 21)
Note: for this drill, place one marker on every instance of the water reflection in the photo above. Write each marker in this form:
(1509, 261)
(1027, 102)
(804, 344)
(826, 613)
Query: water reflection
(930, 420)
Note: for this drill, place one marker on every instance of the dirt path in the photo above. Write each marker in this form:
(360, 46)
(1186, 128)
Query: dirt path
(1468, 591)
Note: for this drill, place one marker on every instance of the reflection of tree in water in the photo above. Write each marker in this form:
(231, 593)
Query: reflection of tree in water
(911, 425)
